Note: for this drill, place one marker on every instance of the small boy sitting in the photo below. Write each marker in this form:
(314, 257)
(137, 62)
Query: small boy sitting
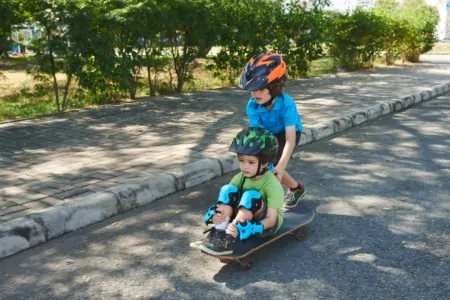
(251, 204)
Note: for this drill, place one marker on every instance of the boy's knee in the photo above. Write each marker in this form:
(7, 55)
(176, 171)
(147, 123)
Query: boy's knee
(226, 210)
(252, 201)
(228, 195)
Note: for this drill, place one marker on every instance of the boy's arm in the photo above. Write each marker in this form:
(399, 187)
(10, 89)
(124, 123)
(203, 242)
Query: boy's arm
(271, 218)
(275, 195)
(287, 152)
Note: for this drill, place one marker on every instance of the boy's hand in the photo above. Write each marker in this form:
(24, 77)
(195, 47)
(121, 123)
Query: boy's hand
(233, 230)
(219, 217)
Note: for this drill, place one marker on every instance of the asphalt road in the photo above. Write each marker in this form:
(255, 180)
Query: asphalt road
(382, 231)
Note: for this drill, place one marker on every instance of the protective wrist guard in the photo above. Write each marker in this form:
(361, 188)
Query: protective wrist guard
(249, 228)
(209, 214)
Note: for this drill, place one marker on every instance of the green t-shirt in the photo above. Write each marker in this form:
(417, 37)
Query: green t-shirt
(269, 187)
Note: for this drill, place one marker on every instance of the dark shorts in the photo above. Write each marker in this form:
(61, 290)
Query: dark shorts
(272, 230)
(281, 137)
(260, 214)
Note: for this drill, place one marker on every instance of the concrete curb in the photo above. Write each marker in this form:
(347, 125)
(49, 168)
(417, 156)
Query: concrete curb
(37, 228)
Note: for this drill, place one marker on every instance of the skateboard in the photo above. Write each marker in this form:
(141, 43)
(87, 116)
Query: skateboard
(295, 223)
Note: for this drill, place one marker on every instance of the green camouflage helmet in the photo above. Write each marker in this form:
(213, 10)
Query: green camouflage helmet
(255, 141)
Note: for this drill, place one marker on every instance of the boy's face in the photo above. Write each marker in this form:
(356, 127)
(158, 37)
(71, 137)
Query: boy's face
(261, 96)
(249, 164)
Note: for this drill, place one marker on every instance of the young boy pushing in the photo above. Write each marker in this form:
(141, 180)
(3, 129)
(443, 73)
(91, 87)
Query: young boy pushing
(272, 109)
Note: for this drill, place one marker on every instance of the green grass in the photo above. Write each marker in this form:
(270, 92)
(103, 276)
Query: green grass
(16, 63)
(322, 66)
(25, 109)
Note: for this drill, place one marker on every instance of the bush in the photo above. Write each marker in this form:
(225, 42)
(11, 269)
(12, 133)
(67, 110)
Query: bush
(357, 39)
(411, 28)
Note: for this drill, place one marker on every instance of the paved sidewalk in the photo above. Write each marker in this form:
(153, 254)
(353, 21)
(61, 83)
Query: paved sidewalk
(47, 161)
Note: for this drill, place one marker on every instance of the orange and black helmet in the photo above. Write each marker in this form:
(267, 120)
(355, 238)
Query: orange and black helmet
(263, 71)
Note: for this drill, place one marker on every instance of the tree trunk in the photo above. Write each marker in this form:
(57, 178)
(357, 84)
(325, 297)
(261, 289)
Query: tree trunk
(133, 88)
(66, 91)
(170, 78)
(53, 70)
(150, 83)
(180, 83)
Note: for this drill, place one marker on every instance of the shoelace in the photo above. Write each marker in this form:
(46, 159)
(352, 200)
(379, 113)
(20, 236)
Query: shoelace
(289, 195)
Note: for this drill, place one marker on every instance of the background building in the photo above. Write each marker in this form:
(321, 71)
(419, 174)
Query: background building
(22, 35)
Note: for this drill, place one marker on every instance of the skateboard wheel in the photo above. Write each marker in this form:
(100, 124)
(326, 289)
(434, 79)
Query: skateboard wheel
(246, 264)
(301, 234)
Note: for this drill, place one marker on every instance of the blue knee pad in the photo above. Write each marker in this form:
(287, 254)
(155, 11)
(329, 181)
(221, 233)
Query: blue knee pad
(248, 228)
(251, 200)
(228, 195)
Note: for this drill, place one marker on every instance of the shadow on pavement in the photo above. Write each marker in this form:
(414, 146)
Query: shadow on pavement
(381, 194)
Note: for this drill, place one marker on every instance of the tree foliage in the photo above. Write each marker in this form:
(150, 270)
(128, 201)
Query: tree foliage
(412, 26)
(392, 28)
(357, 38)
(302, 34)
(11, 13)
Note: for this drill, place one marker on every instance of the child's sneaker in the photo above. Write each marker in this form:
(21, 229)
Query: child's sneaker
(222, 244)
(211, 236)
(293, 197)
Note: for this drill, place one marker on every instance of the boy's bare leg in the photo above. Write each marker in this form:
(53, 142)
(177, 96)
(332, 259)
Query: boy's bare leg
(295, 192)
(224, 210)
(288, 181)
(222, 217)
(244, 215)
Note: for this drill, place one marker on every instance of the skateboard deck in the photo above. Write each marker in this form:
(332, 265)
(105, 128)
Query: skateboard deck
(295, 223)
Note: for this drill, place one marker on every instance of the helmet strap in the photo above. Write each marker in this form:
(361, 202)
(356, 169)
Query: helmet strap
(268, 103)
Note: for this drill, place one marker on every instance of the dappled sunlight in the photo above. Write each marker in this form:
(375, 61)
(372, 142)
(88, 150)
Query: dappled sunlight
(438, 249)
(392, 271)
(381, 199)
(339, 208)
(371, 204)
(343, 141)
(130, 140)
(438, 147)
(408, 224)
(364, 179)
(139, 252)
(324, 102)
(362, 257)
(326, 245)
(442, 162)
(437, 72)
(348, 250)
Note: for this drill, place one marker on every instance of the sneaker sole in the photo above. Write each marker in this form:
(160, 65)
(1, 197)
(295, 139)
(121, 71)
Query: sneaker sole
(296, 204)
(214, 253)
(196, 245)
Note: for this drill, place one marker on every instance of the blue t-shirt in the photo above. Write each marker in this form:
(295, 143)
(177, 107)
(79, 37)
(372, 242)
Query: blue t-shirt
(283, 114)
